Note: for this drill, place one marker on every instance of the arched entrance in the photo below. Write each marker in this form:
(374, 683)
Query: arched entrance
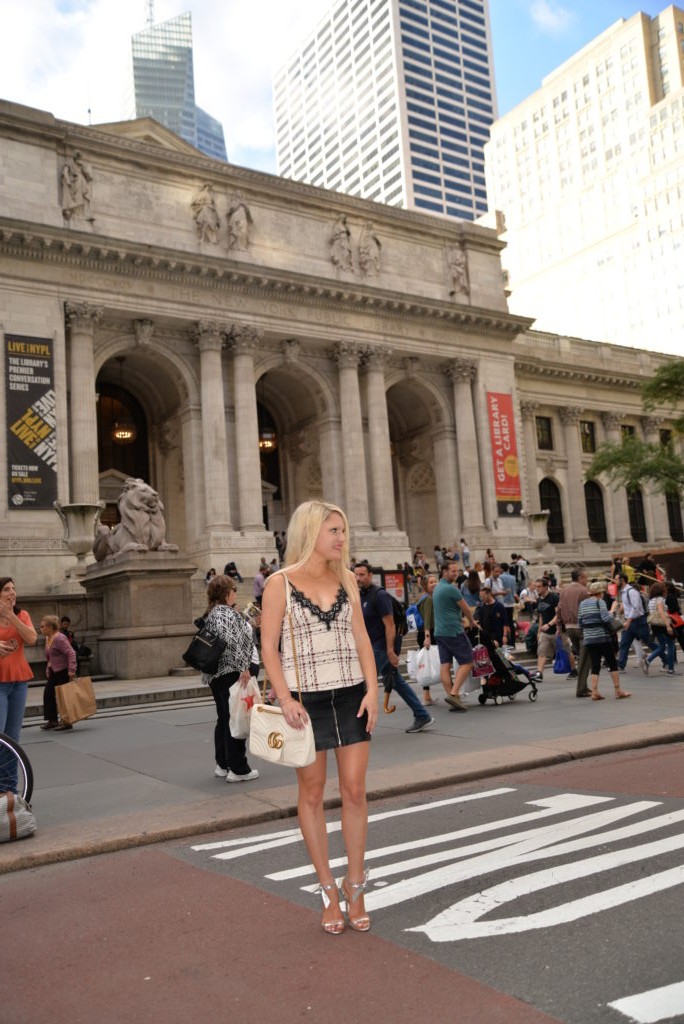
(550, 498)
(596, 517)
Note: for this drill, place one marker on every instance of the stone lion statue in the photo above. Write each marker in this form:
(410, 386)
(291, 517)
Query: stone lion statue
(142, 526)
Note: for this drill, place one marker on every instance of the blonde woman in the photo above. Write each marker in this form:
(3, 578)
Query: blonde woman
(339, 690)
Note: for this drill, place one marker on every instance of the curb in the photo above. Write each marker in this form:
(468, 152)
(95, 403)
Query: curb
(66, 843)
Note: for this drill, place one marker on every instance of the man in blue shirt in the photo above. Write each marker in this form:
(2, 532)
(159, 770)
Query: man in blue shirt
(377, 615)
(507, 597)
(449, 608)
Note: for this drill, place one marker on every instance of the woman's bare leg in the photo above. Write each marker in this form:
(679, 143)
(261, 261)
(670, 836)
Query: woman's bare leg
(352, 764)
(312, 823)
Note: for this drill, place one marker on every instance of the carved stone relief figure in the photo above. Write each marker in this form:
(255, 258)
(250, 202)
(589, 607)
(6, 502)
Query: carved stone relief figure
(239, 222)
(369, 251)
(206, 216)
(457, 261)
(340, 245)
(77, 188)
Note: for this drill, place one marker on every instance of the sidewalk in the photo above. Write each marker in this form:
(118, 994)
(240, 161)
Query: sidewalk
(142, 773)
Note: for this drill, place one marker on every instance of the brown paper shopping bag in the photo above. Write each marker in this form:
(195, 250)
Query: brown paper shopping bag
(76, 700)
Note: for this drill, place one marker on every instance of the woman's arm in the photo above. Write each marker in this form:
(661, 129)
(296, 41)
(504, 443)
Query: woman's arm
(369, 704)
(23, 625)
(273, 606)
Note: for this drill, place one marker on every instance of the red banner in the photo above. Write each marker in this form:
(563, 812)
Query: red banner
(504, 454)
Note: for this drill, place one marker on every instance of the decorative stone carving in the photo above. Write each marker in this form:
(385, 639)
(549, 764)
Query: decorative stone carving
(244, 338)
(207, 220)
(412, 366)
(347, 354)
(82, 314)
(369, 251)
(611, 420)
(291, 350)
(461, 369)
(457, 261)
(376, 358)
(652, 424)
(529, 409)
(340, 245)
(142, 526)
(239, 223)
(144, 329)
(569, 415)
(302, 444)
(77, 188)
(208, 334)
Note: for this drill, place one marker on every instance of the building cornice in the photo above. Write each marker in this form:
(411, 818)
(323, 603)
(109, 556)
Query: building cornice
(582, 375)
(95, 253)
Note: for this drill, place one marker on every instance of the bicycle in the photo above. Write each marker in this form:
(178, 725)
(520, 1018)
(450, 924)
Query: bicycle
(16, 773)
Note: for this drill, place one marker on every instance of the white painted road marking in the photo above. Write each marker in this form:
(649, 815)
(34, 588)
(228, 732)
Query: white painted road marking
(650, 1007)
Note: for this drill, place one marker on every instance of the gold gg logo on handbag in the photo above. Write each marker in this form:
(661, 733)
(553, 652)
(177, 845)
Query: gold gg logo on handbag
(275, 740)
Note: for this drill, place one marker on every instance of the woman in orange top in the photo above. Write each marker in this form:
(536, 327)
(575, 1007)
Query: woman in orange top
(16, 630)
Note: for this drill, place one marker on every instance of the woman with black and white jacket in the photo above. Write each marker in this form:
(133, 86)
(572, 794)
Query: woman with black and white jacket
(226, 622)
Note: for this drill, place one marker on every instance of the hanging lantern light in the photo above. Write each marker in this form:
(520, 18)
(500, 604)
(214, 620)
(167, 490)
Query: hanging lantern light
(124, 430)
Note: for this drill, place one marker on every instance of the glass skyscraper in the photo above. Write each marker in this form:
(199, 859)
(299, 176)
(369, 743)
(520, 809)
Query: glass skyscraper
(392, 100)
(164, 84)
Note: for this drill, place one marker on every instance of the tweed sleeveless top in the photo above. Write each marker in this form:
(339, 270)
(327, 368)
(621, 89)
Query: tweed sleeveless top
(325, 647)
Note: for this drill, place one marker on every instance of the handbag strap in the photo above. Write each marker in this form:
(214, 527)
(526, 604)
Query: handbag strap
(288, 609)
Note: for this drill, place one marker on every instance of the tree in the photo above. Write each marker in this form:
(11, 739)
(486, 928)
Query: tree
(634, 462)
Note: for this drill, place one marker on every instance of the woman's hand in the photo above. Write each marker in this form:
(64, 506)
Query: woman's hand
(369, 705)
(294, 713)
(7, 647)
(245, 676)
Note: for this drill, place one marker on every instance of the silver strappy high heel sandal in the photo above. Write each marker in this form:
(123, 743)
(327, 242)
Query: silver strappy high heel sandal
(331, 927)
(351, 892)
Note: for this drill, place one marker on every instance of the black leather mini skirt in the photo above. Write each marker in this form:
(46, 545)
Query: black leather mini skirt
(333, 716)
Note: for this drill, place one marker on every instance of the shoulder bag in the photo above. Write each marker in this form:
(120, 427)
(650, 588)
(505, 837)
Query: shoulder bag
(205, 650)
(17, 820)
(270, 736)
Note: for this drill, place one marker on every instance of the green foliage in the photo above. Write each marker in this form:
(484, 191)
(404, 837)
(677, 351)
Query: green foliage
(633, 463)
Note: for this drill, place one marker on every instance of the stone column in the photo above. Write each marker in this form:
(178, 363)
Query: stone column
(210, 339)
(623, 533)
(462, 373)
(193, 473)
(82, 320)
(245, 341)
(528, 411)
(655, 503)
(382, 483)
(347, 356)
(444, 448)
(579, 527)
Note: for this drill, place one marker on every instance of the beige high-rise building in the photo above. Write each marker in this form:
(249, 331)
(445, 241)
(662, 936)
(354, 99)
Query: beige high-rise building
(587, 176)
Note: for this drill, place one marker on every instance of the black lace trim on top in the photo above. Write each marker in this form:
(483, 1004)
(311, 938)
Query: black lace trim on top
(327, 617)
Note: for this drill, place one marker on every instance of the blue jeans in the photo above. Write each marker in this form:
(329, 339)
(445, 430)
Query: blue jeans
(383, 665)
(637, 630)
(12, 704)
(665, 649)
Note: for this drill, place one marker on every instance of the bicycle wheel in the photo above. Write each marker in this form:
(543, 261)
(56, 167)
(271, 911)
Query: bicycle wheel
(16, 773)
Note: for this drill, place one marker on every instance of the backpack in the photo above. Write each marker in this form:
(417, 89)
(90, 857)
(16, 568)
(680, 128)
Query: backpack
(642, 599)
(399, 616)
(414, 619)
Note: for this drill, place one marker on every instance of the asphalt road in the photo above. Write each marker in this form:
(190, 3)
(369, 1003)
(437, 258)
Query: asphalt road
(551, 895)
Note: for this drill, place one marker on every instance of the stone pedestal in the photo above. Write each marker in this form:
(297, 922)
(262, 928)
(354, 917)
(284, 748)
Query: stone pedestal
(146, 601)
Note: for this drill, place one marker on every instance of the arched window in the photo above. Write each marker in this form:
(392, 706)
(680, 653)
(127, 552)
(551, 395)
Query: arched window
(637, 519)
(550, 499)
(674, 517)
(596, 517)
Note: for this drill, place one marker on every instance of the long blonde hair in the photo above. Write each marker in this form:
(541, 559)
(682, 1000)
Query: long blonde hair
(302, 534)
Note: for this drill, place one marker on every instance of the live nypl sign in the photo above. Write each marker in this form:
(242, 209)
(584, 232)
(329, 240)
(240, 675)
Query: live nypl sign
(31, 422)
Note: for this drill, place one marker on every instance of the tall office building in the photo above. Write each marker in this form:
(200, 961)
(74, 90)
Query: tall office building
(164, 85)
(588, 173)
(392, 100)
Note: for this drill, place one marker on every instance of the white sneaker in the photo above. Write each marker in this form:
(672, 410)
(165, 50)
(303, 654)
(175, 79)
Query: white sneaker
(220, 773)
(232, 777)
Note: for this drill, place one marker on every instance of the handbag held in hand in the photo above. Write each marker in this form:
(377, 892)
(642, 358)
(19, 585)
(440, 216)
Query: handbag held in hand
(76, 700)
(270, 736)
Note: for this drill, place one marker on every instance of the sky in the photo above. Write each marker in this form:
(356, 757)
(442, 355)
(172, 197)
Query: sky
(70, 57)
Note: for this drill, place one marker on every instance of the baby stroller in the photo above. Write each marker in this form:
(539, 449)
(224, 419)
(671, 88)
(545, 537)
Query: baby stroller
(507, 679)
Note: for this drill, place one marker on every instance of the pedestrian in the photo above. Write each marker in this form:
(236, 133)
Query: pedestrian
(16, 632)
(378, 618)
(662, 629)
(492, 618)
(508, 597)
(61, 668)
(259, 582)
(452, 642)
(595, 621)
(223, 618)
(425, 632)
(547, 621)
(635, 623)
(465, 553)
(568, 611)
(209, 576)
(339, 691)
